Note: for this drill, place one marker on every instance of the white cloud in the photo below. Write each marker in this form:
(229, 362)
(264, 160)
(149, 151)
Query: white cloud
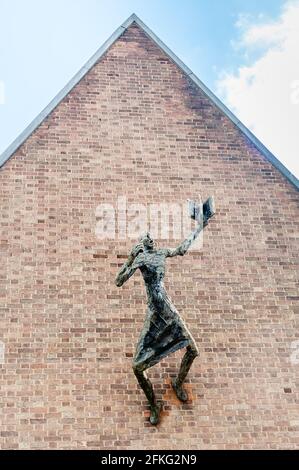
(265, 94)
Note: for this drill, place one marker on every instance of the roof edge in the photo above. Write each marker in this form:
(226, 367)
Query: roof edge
(256, 142)
(99, 53)
(64, 92)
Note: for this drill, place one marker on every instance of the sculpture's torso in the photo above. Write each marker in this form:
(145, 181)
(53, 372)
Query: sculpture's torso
(153, 272)
(164, 331)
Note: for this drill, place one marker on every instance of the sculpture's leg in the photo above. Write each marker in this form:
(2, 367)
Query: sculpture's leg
(187, 360)
(147, 387)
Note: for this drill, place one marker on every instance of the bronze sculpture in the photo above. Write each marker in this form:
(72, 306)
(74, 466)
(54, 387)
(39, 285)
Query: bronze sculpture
(164, 330)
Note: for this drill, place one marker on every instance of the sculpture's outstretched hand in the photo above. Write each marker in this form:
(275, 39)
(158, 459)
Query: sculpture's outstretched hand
(201, 214)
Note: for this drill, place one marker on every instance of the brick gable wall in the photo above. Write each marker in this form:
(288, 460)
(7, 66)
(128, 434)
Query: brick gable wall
(135, 126)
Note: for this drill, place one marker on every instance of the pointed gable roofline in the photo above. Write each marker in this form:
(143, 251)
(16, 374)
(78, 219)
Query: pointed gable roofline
(95, 58)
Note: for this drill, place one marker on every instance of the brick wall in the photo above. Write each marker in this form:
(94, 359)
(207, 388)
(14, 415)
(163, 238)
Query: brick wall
(135, 126)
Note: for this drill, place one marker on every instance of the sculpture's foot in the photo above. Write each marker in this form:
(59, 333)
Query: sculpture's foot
(179, 391)
(155, 413)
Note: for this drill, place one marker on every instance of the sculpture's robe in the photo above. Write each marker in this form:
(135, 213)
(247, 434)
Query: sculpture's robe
(164, 331)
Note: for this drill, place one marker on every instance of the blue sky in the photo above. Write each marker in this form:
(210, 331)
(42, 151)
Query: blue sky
(44, 43)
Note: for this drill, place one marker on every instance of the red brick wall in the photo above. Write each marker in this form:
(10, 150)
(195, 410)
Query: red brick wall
(136, 127)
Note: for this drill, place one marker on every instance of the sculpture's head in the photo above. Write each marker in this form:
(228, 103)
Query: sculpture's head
(147, 241)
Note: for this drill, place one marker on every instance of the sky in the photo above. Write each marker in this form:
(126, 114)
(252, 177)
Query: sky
(246, 52)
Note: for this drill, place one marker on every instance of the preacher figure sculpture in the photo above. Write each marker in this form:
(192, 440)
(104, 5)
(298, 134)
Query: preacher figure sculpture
(164, 331)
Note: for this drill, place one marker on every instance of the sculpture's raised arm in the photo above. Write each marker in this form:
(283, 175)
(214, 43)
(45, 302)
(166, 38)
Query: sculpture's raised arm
(185, 244)
(201, 214)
